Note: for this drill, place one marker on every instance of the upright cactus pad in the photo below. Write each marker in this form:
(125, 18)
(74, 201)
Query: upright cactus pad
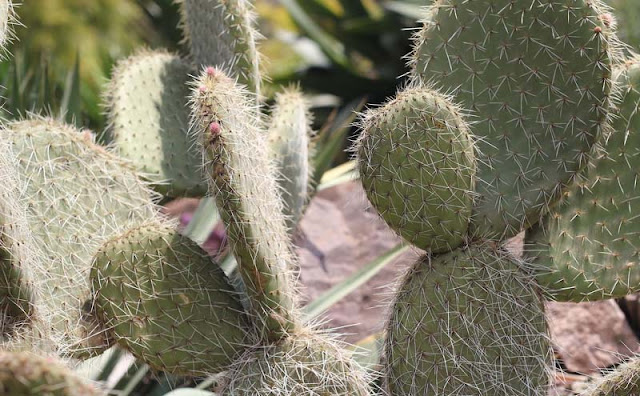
(306, 364)
(149, 121)
(76, 196)
(24, 374)
(289, 135)
(243, 181)
(589, 247)
(536, 78)
(221, 33)
(164, 300)
(469, 322)
(624, 381)
(417, 166)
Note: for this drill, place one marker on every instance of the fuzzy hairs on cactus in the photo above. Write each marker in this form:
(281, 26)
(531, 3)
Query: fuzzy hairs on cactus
(536, 80)
(588, 247)
(623, 381)
(417, 165)
(162, 298)
(242, 178)
(76, 195)
(25, 374)
(289, 132)
(222, 33)
(7, 17)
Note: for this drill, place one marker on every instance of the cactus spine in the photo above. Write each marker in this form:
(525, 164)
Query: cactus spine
(624, 381)
(6, 18)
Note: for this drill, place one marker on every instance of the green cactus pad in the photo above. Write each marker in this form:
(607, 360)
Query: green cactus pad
(536, 78)
(24, 374)
(149, 122)
(417, 166)
(469, 322)
(623, 381)
(164, 300)
(243, 181)
(77, 195)
(289, 134)
(303, 364)
(589, 247)
(221, 33)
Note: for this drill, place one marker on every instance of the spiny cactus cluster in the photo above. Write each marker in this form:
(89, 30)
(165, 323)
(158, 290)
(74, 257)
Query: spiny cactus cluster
(519, 114)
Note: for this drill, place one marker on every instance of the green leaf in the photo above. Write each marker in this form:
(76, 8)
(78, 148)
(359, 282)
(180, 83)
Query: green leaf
(71, 101)
(367, 352)
(408, 10)
(205, 219)
(357, 279)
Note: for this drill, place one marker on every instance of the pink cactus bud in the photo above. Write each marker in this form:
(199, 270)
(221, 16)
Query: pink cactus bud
(211, 71)
(202, 89)
(214, 128)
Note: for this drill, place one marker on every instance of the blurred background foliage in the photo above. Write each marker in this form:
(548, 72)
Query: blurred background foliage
(342, 52)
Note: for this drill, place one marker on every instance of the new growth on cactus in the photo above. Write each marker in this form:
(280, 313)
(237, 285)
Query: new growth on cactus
(6, 18)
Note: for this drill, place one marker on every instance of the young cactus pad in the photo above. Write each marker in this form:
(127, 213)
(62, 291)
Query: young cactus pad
(469, 322)
(149, 121)
(24, 374)
(623, 381)
(536, 78)
(304, 364)
(242, 179)
(76, 195)
(417, 166)
(164, 300)
(6, 14)
(589, 246)
(221, 32)
(289, 133)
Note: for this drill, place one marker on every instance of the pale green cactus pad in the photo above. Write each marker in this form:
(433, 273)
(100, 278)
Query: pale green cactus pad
(303, 364)
(469, 322)
(221, 33)
(76, 196)
(164, 300)
(589, 247)
(243, 180)
(149, 122)
(536, 78)
(6, 17)
(417, 166)
(24, 374)
(623, 381)
(289, 139)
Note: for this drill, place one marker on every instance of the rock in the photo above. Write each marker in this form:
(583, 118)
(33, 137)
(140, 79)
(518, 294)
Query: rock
(591, 336)
(339, 234)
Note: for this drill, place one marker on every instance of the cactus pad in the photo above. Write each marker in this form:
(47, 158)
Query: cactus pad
(222, 33)
(623, 381)
(536, 78)
(165, 301)
(589, 246)
(24, 374)
(304, 364)
(149, 122)
(289, 133)
(469, 322)
(76, 196)
(417, 166)
(243, 180)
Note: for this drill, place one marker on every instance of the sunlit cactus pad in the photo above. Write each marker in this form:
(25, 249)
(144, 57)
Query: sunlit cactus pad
(469, 322)
(163, 299)
(76, 195)
(589, 248)
(149, 121)
(302, 364)
(24, 374)
(417, 166)
(535, 77)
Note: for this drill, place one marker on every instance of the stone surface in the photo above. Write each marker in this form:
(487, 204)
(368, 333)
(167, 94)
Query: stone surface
(590, 336)
(339, 234)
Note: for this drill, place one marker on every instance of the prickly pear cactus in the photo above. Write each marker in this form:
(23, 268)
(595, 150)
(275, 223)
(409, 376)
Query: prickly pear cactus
(469, 322)
(24, 374)
(149, 121)
(221, 33)
(289, 132)
(587, 248)
(242, 179)
(306, 364)
(76, 195)
(417, 165)
(536, 79)
(6, 17)
(164, 300)
(624, 381)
